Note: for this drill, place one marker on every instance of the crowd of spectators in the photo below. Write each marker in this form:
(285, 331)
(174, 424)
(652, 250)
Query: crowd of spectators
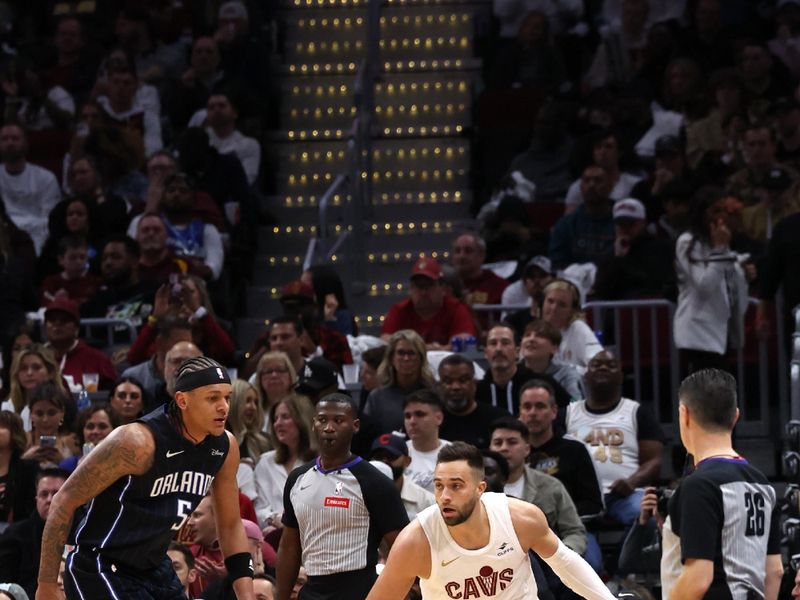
(667, 136)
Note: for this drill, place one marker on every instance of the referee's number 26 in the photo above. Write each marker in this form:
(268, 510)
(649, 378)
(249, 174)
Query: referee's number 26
(754, 503)
(184, 510)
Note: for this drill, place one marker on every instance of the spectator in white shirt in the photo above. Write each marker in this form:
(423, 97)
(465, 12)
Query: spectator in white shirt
(562, 309)
(29, 192)
(223, 135)
(392, 451)
(422, 416)
(292, 435)
(122, 109)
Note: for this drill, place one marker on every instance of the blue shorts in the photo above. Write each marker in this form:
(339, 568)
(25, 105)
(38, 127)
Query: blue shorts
(90, 576)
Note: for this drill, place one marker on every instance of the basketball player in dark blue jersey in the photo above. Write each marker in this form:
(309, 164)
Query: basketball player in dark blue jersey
(138, 487)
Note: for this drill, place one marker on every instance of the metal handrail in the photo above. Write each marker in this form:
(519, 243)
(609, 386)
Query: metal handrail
(760, 425)
(322, 206)
(110, 325)
(358, 173)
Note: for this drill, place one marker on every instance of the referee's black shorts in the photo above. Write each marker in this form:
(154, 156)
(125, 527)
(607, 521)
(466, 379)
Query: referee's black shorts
(351, 585)
(89, 576)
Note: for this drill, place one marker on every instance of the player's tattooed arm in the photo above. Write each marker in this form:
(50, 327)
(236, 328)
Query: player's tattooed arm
(128, 450)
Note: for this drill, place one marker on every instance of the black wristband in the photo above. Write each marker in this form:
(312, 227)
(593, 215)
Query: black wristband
(239, 565)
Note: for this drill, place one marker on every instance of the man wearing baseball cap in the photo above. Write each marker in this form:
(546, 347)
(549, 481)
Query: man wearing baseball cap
(393, 450)
(640, 263)
(75, 357)
(436, 317)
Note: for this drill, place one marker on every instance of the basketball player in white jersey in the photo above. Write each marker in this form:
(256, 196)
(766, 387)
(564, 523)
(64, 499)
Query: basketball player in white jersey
(473, 544)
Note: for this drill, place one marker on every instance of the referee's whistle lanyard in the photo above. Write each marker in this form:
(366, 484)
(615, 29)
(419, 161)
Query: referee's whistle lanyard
(509, 395)
(353, 460)
(730, 458)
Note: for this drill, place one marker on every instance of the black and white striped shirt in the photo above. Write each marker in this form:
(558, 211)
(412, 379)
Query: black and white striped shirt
(342, 514)
(726, 512)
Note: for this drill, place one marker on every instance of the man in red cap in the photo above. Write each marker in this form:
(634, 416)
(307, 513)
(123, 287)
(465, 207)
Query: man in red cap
(436, 317)
(75, 357)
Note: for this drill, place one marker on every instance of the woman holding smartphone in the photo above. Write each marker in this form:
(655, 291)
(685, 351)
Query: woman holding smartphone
(92, 426)
(49, 441)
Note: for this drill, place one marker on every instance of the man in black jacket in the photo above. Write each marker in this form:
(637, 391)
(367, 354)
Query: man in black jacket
(503, 381)
(641, 264)
(21, 543)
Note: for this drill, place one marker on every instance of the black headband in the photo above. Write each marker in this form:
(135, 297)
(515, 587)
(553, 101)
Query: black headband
(195, 379)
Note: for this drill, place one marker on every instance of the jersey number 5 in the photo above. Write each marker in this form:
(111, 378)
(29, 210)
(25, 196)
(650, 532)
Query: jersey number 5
(184, 510)
(754, 503)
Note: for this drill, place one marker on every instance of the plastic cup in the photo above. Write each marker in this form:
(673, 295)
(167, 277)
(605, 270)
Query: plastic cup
(350, 373)
(90, 381)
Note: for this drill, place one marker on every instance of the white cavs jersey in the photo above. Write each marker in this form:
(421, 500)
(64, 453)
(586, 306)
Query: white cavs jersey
(501, 569)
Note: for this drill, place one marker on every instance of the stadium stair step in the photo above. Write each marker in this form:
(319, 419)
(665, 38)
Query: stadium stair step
(421, 158)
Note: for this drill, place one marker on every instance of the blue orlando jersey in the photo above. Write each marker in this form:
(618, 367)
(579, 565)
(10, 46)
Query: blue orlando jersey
(133, 520)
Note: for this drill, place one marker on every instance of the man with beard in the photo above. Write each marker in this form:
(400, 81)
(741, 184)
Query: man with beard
(475, 543)
(622, 436)
(464, 418)
(123, 295)
(565, 459)
(337, 509)
(505, 377)
(392, 450)
(196, 242)
(29, 192)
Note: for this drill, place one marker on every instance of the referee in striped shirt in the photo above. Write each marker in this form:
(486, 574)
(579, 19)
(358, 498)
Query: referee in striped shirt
(337, 509)
(725, 512)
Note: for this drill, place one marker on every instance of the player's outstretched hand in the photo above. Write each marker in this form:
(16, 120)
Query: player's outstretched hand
(49, 591)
